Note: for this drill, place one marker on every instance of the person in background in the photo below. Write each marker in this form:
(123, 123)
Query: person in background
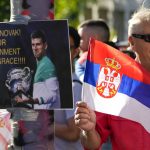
(96, 128)
(66, 133)
(41, 10)
(36, 133)
(97, 29)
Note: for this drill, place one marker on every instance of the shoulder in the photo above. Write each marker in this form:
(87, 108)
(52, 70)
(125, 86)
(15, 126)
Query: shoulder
(83, 58)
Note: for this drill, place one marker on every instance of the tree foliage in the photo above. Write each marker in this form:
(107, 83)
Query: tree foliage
(67, 9)
(70, 9)
(64, 9)
(4, 10)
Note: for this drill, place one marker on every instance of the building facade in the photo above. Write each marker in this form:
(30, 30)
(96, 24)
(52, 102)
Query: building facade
(115, 12)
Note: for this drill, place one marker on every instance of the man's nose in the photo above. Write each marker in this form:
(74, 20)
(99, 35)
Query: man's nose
(34, 47)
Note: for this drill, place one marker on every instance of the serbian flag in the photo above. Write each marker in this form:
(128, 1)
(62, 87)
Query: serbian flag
(116, 84)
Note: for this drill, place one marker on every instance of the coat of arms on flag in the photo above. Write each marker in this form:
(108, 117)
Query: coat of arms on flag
(109, 78)
(116, 84)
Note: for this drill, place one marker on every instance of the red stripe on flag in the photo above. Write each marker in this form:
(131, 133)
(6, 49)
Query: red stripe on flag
(98, 51)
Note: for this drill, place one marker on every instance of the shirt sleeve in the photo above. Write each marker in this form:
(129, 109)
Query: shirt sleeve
(102, 126)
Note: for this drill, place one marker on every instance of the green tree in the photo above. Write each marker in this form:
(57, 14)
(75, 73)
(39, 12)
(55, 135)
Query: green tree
(67, 9)
(70, 9)
(4, 10)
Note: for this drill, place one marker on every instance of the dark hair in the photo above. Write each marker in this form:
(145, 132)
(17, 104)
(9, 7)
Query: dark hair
(129, 53)
(25, 4)
(39, 34)
(74, 34)
(112, 44)
(97, 23)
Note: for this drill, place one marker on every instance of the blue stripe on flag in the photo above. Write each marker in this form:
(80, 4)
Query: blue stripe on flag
(133, 88)
(91, 73)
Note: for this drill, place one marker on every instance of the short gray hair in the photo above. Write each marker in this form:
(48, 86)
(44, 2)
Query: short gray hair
(137, 20)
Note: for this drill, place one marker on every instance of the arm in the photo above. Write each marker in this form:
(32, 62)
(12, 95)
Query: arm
(79, 70)
(43, 93)
(85, 119)
(30, 100)
(47, 91)
(67, 131)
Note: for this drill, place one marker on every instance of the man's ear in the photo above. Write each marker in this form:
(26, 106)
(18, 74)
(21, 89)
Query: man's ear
(76, 52)
(45, 45)
(131, 42)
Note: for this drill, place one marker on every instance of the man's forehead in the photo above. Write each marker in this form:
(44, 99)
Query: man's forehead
(146, 27)
(86, 30)
(36, 40)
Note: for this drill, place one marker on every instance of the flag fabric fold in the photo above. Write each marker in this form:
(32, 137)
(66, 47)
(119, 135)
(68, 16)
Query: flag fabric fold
(116, 84)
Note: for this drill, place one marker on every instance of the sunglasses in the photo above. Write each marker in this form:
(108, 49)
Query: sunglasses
(145, 37)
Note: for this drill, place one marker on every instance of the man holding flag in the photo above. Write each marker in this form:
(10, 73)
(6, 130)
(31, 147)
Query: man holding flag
(116, 92)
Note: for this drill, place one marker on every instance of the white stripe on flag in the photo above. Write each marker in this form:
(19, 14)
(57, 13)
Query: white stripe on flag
(120, 105)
